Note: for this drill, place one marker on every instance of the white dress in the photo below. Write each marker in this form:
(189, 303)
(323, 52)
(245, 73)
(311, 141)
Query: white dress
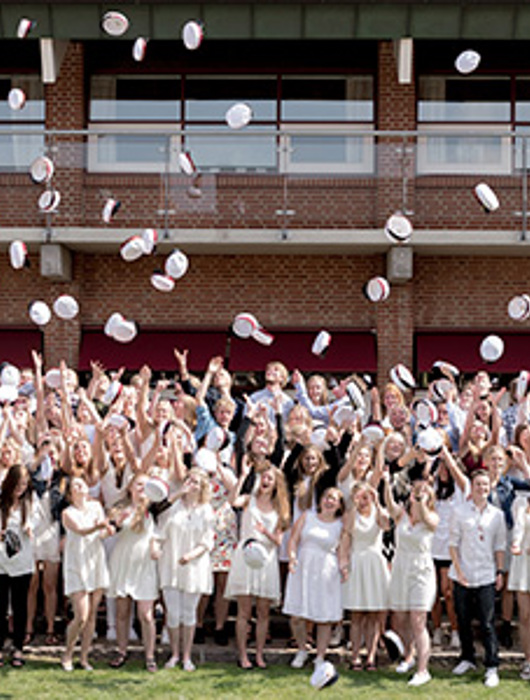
(185, 529)
(132, 570)
(367, 586)
(313, 591)
(244, 580)
(23, 562)
(85, 564)
(413, 578)
(47, 536)
(519, 578)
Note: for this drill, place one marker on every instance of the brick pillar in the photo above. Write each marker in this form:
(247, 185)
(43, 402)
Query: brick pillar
(396, 111)
(395, 331)
(396, 105)
(65, 109)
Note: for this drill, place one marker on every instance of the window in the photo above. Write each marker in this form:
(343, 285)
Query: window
(450, 104)
(318, 117)
(19, 149)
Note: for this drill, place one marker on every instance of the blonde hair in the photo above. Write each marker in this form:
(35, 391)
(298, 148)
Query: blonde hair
(304, 492)
(280, 497)
(204, 481)
(282, 369)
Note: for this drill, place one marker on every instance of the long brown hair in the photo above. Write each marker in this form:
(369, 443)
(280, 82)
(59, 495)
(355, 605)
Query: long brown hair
(7, 495)
(304, 492)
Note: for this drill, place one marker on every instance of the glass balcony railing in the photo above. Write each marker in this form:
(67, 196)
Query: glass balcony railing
(261, 177)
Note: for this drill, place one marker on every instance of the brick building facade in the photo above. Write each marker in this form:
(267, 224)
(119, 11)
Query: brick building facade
(303, 274)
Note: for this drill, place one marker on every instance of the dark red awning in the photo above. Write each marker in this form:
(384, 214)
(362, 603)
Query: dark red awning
(154, 347)
(349, 350)
(462, 348)
(16, 345)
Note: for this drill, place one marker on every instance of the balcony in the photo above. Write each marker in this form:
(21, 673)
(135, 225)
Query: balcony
(260, 189)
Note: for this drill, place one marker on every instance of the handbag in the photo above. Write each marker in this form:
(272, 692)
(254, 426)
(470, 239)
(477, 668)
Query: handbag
(12, 543)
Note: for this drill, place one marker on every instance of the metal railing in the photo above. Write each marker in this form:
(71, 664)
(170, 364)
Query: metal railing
(294, 177)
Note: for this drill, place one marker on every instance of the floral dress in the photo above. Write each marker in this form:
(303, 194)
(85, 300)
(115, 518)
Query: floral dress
(225, 527)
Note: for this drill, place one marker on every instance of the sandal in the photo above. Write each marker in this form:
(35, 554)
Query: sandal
(371, 666)
(17, 661)
(150, 666)
(356, 665)
(51, 640)
(28, 638)
(119, 660)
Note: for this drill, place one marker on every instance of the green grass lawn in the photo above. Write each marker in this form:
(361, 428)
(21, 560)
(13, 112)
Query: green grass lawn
(44, 679)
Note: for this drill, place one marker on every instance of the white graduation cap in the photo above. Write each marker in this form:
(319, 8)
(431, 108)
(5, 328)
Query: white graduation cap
(523, 381)
(125, 331)
(53, 378)
(114, 23)
(132, 249)
(10, 375)
(39, 312)
(491, 348)
(150, 239)
(112, 322)
(402, 377)
(177, 264)
(139, 48)
(156, 489)
(16, 99)
(262, 336)
(377, 289)
(238, 116)
(398, 228)
(192, 34)
(244, 325)
(186, 163)
(110, 208)
(18, 254)
(41, 170)
(321, 344)
(217, 439)
(254, 553)
(519, 307)
(373, 432)
(324, 675)
(49, 201)
(25, 25)
(162, 282)
(206, 460)
(467, 61)
(66, 307)
(8, 393)
(487, 197)
(426, 412)
(430, 440)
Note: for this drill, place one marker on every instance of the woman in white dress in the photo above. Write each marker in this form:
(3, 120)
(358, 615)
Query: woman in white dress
(313, 590)
(16, 567)
(184, 564)
(413, 580)
(365, 592)
(133, 572)
(85, 570)
(265, 517)
(519, 580)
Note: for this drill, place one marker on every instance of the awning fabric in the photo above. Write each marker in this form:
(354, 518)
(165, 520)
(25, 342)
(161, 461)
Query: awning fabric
(16, 345)
(349, 350)
(463, 350)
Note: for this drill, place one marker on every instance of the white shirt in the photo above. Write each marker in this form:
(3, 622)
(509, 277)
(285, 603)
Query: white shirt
(477, 535)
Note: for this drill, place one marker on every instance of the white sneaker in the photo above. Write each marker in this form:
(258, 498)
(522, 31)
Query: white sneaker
(420, 678)
(405, 666)
(525, 671)
(437, 637)
(491, 679)
(111, 634)
(463, 667)
(171, 662)
(299, 659)
(188, 665)
(455, 640)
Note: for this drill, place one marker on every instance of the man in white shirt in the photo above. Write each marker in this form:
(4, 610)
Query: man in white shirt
(477, 542)
(276, 378)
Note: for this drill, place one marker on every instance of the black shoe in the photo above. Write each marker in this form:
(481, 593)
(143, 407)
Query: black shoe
(199, 637)
(220, 637)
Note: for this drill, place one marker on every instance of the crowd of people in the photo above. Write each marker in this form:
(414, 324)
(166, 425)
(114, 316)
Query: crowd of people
(319, 497)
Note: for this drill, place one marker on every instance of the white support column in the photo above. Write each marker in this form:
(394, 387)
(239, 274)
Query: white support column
(52, 52)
